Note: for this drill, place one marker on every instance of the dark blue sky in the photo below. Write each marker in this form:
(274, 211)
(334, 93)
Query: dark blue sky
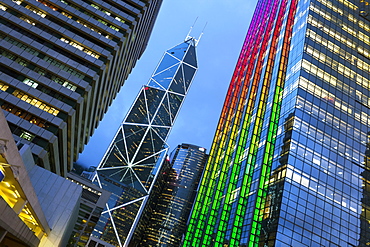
(217, 52)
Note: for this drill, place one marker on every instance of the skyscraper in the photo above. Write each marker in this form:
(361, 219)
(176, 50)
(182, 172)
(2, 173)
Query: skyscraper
(289, 163)
(133, 160)
(167, 222)
(92, 203)
(62, 63)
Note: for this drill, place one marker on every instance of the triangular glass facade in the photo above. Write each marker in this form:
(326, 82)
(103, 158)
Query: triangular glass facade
(130, 165)
(165, 77)
(178, 82)
(167, 62)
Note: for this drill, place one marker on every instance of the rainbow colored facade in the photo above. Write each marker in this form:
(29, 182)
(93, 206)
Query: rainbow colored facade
(288, 163)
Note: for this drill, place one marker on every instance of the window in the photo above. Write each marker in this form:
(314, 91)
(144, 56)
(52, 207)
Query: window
(30, 83)
(35, 102)
(26, 135)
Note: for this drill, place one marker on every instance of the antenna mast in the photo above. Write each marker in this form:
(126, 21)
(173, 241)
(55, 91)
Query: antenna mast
(201, 34)
(188, 37)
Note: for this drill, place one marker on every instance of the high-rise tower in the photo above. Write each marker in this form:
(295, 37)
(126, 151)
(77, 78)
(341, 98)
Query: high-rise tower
(131, 164)
(167, 222)
(289, 163)
(62, 63)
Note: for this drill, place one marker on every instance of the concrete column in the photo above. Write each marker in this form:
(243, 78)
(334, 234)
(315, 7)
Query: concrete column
(19, 205)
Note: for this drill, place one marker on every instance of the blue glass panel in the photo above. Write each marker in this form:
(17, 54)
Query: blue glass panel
(189, 73)
(117, 154)
(152, 83)
(190, 57)
(179, 50)
(134, 134)
(163, 116)
(114, 175)
(119, 142)
(162, 132)
(153, 99)
(138, 113)
(165, 77)
(150, 145)
(175, 102)
(114, 158)
(178, 82)
(129, 178)
(167, 61)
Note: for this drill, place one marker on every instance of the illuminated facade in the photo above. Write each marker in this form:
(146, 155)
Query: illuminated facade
(167, 222)
(289, 165)
(92, 203)
(62, 63)
(37, 207)
(130, 166)
(22, 220)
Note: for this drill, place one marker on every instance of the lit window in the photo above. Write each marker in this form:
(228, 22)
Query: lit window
(36, 11)
(80, 47)
(35, 102)
(30, 83)
(27, 20)
(27, 136)
(2, 7)
(3, 87)
(67, 15)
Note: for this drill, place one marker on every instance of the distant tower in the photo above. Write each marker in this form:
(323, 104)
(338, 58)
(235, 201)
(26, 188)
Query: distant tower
(133, 159)
(167, 222)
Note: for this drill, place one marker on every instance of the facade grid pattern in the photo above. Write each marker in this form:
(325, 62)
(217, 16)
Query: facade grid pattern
(63, 62)
(167, 220)
(289, 162)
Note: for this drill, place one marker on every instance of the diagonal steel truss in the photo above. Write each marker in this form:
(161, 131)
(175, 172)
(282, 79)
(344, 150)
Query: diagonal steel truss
(130, 165)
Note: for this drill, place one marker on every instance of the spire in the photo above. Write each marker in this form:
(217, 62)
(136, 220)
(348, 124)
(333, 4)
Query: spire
(189, 37)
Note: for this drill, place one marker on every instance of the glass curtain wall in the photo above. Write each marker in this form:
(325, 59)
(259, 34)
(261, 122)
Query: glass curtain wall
(287, 165)
(131, 164)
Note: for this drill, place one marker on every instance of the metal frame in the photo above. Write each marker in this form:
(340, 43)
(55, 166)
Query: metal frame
(117, 157)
